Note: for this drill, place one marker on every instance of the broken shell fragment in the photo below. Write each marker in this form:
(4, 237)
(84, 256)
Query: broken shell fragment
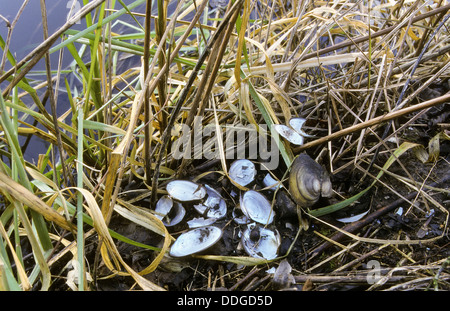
(214, 206)
(308, 180)
(185, 190)
(256, 207)
(282, 277)
(271, 182)
(353, 218)
(242, 172)
(218, 211)
(195, 241)
(289, 134)
(200, 222)
(239, 217)
(297, 124)
(261, 242)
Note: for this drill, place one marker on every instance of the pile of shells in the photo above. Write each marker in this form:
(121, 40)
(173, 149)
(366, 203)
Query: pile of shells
(254, 215)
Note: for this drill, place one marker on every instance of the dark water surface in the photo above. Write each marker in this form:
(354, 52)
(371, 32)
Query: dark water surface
(27, 34)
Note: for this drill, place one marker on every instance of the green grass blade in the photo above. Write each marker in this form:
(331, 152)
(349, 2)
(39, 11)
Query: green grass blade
(287, 157)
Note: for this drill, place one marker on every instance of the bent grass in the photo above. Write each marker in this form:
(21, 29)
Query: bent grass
(338, 64)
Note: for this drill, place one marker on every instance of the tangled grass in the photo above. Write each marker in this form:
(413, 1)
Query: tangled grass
(360, 72)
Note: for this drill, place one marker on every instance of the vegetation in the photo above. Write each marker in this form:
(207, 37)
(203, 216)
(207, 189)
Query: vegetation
(370, 77)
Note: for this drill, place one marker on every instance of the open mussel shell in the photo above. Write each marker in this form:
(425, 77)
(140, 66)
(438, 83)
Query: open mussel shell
(195, 241)
(260, 242)
(289, 134)
(185, 190)
(256, 207)
(308, 180)
(242, 172)
(169, 212)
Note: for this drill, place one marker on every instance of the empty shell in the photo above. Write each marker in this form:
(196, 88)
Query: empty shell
(185, 190)
(175, 216)
(163, 206)
(242, 172)
(261, 242)
(195, 241)
(256, 207)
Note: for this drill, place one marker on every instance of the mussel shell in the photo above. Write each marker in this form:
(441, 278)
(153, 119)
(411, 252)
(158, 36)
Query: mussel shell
(169, 212)
(185, 190)
(256, 207)
(242, 172)
(308, 180)
(195, 241)
(261, 242)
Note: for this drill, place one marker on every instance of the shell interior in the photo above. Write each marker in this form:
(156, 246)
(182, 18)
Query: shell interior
(289, 134)
(271, 182)
(163, 207)
(200, 222)
(242, 172)
(297, 124)
(261, 242)
(353, 218)
(256, 207)
(185, 190)
(175, 216)
(195, 241)
(217, 211)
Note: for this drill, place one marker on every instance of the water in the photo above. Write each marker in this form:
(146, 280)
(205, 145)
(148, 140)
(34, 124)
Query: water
(27, 34)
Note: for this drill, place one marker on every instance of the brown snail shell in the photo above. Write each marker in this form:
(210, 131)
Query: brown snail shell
(308, 180)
